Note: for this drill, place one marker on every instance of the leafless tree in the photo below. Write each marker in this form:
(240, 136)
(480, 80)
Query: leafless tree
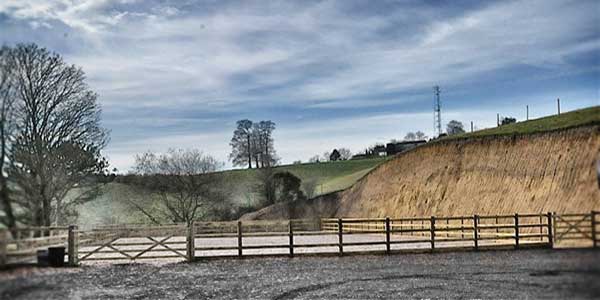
(263, 148)
(410, 136)
(345, 153)
(57, 137)
(314, 159)
(241, 144)
(325, 156)
(420, 135)
(454, 127)
(6, 134)
(183, 182)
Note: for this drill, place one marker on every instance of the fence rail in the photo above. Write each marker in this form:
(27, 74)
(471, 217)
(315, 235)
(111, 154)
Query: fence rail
(304, 236)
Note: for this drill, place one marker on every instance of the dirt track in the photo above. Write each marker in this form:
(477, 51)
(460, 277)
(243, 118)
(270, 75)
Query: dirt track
(573, 274)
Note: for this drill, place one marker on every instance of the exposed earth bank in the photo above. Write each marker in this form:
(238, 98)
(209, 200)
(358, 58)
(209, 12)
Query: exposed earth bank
(536, 173)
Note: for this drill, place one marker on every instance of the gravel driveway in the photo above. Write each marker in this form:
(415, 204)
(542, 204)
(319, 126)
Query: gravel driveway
(541, 274)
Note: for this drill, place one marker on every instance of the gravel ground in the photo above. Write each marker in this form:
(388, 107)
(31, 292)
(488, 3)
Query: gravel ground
(540, 274)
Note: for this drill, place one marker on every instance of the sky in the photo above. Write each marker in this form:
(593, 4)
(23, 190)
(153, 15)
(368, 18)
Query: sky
(330, 74)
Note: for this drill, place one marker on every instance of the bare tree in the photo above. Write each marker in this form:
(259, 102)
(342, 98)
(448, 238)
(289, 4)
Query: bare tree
(325, 156)
(410, 136)
(241, 144)
(183, 183)
(6, 134)
(454, 127)
(263, 144)
(420, 135)
(345, 153)
(314, 159)
(57, 139)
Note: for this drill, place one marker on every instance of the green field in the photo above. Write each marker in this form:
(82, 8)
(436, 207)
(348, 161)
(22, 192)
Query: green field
(113, 207)
(586, 116)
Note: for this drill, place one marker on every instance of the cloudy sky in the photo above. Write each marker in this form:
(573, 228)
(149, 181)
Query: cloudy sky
(329, 73)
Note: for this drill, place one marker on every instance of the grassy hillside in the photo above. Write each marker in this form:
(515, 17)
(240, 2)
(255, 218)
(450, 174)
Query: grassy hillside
(112, 206)
(586, 116)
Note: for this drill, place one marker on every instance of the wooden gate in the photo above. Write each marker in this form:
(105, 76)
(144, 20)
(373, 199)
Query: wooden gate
(574, 229)
(133, 243)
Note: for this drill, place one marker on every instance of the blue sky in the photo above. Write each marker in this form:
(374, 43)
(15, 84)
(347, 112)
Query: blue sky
(329, 73)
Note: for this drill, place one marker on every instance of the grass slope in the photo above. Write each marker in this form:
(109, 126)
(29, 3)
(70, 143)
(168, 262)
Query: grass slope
(581, 117)
(112, 206)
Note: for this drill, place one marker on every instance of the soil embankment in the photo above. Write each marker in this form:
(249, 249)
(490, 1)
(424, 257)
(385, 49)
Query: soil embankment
(551, 171)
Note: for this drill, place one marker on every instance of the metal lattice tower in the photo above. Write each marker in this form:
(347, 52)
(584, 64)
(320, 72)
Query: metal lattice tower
(437, 112)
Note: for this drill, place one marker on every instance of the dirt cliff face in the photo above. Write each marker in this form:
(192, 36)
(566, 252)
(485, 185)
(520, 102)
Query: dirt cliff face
(553, 171)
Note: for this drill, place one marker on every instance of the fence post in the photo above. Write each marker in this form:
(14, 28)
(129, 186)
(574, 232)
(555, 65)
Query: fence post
(3, 244)
(340, 237)
(516, 231)
(550, 226)
(476, 231)
(191, 244)
(594, 239)
(239, 233)
(72, 247)
(541, 229)
(462, 228)
(291, 231)
(387, 235)
(432, 233)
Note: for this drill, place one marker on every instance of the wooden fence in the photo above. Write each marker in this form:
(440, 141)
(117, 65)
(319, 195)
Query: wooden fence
(296, 237)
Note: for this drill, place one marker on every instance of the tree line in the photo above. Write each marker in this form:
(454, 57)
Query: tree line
(50, 138)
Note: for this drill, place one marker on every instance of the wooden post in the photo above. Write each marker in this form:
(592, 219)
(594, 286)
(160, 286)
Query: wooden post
(550, 238)
(72, 246)
(191, 243)
(432, 233)
(3, 244)
(541, 229)
(516, 231)
(291, 233)
(594, 239)
(239, 233)
(476, 231)
(387, 235)
(340, 236)
(497, 229)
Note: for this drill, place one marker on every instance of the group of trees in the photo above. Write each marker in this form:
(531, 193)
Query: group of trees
(334, 155)
(50, 137)
(253, 142)
(415, 136)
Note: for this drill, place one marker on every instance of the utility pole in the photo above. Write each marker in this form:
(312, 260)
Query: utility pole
(471, 126)
(558, 105)
(497, 120)
(527, 112)
(437, 112)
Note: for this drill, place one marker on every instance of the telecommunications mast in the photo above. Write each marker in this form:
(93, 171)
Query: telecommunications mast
(437, 112)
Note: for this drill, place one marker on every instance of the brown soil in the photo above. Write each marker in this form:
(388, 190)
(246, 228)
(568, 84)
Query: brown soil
(553, 171)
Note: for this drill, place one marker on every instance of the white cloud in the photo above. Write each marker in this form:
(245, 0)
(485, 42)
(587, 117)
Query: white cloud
(295, 55)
